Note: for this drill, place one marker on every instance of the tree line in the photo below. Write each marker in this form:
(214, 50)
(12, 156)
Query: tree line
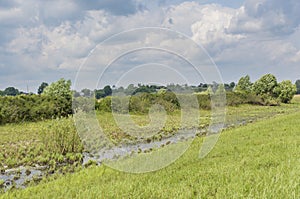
(244, 84)
(55, 99)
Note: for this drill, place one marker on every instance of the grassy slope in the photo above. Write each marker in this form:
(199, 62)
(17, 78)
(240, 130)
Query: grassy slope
(24, 144)
(259, 160)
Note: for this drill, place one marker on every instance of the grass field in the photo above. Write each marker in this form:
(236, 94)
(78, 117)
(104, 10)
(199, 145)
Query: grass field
(49, 141)
(258, 160)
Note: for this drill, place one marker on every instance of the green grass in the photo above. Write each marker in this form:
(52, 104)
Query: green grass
(259, 160)
(40, 143)
(50, 143)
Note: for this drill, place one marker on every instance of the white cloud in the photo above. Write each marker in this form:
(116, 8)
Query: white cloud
(57, 35)
(212, 29)
(274, 17)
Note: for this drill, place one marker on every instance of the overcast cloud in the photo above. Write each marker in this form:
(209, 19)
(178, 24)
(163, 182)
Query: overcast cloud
(47, 40)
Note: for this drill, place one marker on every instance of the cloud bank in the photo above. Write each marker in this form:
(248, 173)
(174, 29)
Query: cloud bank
(46, 40)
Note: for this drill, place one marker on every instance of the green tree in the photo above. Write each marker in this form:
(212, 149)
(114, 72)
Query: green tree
(298, 86)
(130, 89)
(42, 88)
(99, 94)
(11, 91)
(232, 85)
(75, 93)
(265, 85)
(285, 91)
(107, 90)
(61, 88)
(87, 92)
(244, 84)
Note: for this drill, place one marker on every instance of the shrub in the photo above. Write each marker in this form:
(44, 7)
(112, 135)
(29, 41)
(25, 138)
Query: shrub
(141, 103)
(285, 91)
(265, 85)
(244, 84)
(32, 108)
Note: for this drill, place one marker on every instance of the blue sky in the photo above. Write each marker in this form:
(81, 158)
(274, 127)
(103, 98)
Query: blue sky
(46, 40)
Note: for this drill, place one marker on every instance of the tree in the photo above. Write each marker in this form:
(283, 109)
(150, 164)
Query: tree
(99, 94)
(265, 85)
(298, 86)
(61, 88)
(11, 91)
(87, 92)
(1, 93)
(102, 93)
(75, 93)
(42, 88)
(285, 91)
(244, 84)
(130, 89)
(107, 90)
(232, 84)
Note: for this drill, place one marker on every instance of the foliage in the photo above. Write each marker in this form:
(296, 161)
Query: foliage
(272, 92)
(141, 103)
(298, 86)
(106, 91)
(61, 88)
(56, 144)
(32, 108)
(285, 91)
(258, 165)
(42, 87)
(244, 84)
(11, 91)
(265, 85)
(86, 92)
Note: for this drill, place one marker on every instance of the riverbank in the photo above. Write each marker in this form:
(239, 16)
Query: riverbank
(23, 147)
(258, 160)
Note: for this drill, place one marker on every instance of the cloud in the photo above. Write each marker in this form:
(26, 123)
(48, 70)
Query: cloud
(274, 17)
(53, 37)
(212, 30)
(115, 7)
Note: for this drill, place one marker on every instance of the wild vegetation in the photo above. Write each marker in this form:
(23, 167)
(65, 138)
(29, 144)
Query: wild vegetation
(259, 160)
(267, 87)
(38, 130)
(24, 108)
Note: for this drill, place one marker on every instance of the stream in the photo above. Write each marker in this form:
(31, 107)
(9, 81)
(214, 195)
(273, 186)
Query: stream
(20, 177)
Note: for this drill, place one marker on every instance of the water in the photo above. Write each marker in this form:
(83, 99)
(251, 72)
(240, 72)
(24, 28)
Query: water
(21, 176)
(127, 149)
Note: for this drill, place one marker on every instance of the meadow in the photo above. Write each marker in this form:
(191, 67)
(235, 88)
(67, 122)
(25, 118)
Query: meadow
(269, 139)
(258, 160)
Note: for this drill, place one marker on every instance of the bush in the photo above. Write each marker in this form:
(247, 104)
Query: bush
(265, 85)
(141, 103)
(285, 91)
(244, 84)
(32, 108)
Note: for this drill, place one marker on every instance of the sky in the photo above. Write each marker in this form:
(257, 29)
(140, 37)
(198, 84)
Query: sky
(43, 40)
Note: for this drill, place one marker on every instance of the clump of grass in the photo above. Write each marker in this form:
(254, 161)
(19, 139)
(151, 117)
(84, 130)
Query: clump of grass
(60, 136)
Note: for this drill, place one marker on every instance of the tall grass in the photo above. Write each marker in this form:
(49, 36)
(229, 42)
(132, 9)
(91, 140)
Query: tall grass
(259, 160)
